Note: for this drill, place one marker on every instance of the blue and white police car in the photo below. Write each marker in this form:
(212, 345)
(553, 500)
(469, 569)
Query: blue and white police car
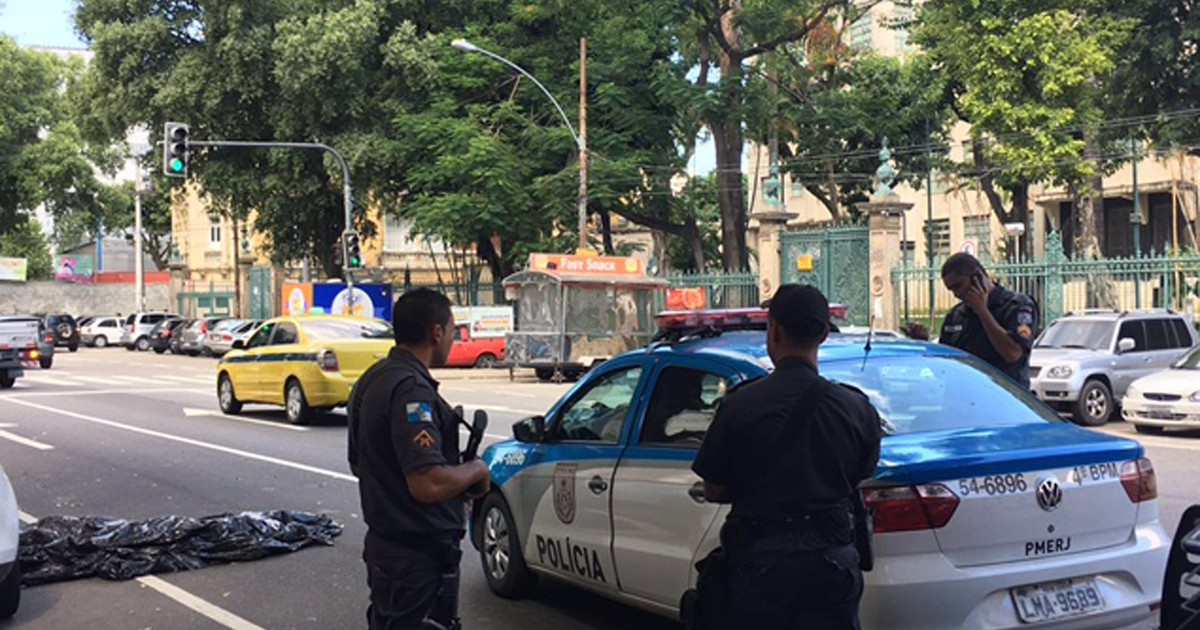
(990, 511)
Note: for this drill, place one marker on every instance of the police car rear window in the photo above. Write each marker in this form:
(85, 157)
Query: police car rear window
(918, 394)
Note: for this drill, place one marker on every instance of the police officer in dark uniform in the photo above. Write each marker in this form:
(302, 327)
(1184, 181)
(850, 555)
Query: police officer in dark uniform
(788, 451)
(990, 322)
(403, 447)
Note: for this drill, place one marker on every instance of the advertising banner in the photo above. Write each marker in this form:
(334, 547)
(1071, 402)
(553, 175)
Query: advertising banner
(13, 269)
(370, 300)
(74, 268)
(604, 265)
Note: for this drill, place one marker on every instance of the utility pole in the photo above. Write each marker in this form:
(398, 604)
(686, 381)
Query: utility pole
(929, 218)
(139, 282)
(1136, 219)
(583, 150)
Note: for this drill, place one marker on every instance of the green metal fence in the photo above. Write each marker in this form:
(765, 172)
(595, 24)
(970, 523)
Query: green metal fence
(1063, 285)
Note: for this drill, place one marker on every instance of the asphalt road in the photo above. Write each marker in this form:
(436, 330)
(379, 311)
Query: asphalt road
(137, 435)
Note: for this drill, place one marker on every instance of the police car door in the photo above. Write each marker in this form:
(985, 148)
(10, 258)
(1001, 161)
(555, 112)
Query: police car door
(659, 512)
(571, 532)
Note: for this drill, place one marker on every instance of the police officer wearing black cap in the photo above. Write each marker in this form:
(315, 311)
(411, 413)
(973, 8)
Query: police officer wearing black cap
(788, 451)
(403, 447)
(990, 322)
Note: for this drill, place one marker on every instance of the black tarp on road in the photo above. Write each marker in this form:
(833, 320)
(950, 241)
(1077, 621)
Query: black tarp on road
(68, 547)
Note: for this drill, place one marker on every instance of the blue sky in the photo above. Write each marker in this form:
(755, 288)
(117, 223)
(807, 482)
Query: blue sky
(39, 22)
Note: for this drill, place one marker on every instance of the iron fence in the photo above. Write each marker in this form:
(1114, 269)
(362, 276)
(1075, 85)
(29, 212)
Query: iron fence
(1064, 285)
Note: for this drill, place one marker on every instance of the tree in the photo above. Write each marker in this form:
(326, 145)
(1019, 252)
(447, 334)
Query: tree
(727, 36)
(25, 240)
(831, 110)
(28, 106)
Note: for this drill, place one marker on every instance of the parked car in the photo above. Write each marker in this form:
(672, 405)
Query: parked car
(990, 510)
(1083, 363)
(65, 330)
(164, 333)
(1168, 399)
(45, 346)
(100, 331)
(20, 337)
(135, 334)
(305, 363)
(477, 351)
(193, 337)
(10, 531)
(220, 339)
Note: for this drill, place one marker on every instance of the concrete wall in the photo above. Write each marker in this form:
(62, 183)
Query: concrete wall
(78, 299)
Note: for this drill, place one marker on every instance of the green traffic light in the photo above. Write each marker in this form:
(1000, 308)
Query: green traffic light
(176, 165)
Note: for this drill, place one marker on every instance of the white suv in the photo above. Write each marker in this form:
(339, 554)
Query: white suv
(135, 335)
(1084, 362)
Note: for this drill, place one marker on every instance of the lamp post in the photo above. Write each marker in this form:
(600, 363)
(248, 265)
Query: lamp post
(580, 139)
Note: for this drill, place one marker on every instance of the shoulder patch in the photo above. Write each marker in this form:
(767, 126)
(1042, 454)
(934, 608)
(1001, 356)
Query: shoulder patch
(1025, 317)
(1025, 331)
(418, 412)
(423, 439)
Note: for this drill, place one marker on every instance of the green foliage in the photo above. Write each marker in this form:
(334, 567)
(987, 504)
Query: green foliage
(1028, 76)
(25, 240)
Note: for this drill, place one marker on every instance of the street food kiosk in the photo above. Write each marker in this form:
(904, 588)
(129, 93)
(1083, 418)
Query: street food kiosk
(573, 312)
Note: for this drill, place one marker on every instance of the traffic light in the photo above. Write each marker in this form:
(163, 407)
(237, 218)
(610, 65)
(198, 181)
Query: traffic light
(354, 259)
(175, 149)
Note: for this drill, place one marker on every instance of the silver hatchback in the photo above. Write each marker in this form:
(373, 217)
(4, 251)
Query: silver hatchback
(1083, 363)
(135, 334)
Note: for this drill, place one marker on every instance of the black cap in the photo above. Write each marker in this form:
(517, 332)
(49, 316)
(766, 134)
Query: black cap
(801, 309)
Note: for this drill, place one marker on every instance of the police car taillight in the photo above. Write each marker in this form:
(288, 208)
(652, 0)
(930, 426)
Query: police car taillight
(328, 361)
(910, 508)
(1139, 480)
(712, 318)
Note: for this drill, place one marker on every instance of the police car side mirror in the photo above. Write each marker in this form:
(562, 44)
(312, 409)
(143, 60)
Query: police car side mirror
(530, 430)
(1126, 345)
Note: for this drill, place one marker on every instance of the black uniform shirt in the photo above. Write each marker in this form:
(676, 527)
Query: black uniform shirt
(836, 447)
(1015, 312)
(399, 425)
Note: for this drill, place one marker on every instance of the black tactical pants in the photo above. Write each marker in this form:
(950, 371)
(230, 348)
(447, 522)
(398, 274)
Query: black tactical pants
(782, 587)
(404, 582)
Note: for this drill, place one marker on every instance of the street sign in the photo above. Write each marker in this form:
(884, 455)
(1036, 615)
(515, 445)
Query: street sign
(969, 246)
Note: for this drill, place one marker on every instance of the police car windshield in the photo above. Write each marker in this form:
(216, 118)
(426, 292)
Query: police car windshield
(329, 329)
(1079, 333)
(918, 394)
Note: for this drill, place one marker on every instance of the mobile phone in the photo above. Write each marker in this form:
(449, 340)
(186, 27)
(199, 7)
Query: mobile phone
(977, 279)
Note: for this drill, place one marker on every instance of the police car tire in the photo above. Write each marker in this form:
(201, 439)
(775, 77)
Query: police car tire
(10, 592)
(1091, 389)
(518, 580)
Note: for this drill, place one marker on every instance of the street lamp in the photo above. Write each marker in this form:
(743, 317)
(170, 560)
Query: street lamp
(580, 140)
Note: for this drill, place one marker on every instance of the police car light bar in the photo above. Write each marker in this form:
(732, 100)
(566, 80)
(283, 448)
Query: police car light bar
(716, 319)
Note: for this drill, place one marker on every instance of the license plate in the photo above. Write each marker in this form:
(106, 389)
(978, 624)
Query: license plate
(1055, 600)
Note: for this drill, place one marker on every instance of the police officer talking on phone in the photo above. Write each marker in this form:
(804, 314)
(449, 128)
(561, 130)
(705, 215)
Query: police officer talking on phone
(403, 447)
(990, 322)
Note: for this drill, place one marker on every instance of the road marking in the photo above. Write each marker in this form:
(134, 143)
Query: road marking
(139, 380)
(503, 409)
(98, 381)
(50, 380)
(193, 412)
(182, 440)
(216, 613)
(98, 392)
(189, 379)
(26, 518)
(13, 437)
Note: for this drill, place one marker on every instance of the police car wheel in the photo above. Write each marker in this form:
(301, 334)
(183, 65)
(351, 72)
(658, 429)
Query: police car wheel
(1095, 404)
(500, 551)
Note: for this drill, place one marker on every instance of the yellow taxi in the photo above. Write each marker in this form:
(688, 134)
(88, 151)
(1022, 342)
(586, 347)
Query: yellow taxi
(307, 364)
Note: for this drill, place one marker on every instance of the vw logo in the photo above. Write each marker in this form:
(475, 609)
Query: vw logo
(1049, 494)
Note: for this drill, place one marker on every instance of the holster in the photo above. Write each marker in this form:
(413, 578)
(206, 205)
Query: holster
(864, 529)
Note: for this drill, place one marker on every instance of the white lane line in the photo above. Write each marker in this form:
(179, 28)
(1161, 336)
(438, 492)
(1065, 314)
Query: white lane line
(50, 380)
(98, 381)
(189, 379)
(216, 613)
(182, 440)
(26, 518)
(192, 413)
(97, 392)
(13, 437)
(139, 380)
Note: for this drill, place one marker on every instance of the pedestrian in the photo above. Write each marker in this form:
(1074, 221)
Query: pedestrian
(788, 451)
(403, 447)
(990, 322)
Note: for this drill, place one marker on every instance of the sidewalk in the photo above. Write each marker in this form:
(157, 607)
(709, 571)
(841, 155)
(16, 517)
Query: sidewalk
(520, 375)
